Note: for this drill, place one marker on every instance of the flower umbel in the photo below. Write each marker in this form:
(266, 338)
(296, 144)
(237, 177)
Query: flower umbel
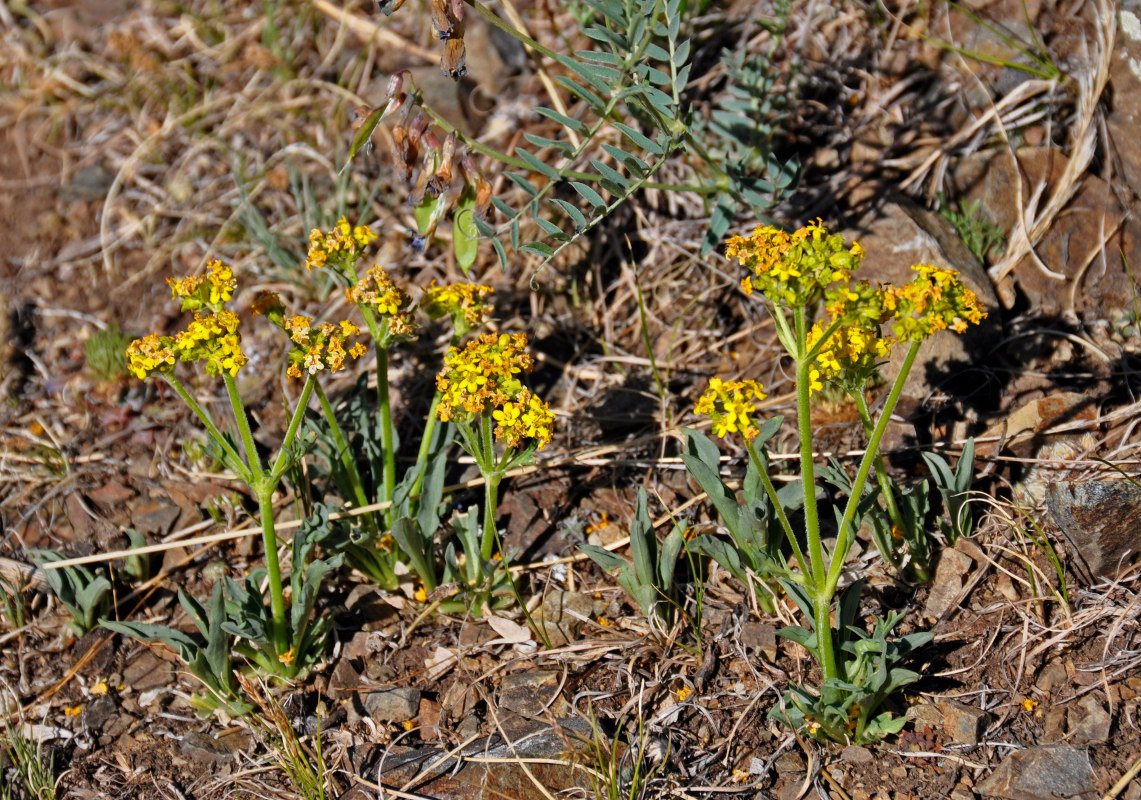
(377, 291)
(731, 406)
(482, 377)
(465, 303)
(792, 269)
(211, 290)
(150, 354)
(934, 300)
(320, 348)
(339, 247)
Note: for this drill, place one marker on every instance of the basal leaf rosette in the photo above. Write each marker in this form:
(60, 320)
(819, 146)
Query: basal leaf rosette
(793, 269)
(732, 406)
(466, 303)
(340, 248)
(481, 380)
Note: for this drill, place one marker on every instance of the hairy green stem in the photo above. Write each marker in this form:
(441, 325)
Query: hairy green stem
(771, 492)
(204, 417)
(277, 634)
(844, 538)
(491, 477)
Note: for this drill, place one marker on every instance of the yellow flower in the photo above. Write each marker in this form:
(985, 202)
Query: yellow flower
(731, 406)
(287, 657)
(319, 348)
(465, 303)
(933, 301)
(211, 291)
(339, 248)
(1029, 704)
(150, 354)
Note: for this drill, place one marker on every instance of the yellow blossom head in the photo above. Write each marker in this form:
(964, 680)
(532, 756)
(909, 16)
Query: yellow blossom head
(212, 338)
(377, 291)
(466, 303)
(482, 377)
(793, 269)
(210, 291)
(150, 354)
(731, 405)
(849, 358)
(934, 300)
(321, 347)
(340, 248)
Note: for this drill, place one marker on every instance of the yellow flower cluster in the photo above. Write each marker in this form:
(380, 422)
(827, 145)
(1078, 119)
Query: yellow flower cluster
(793, 268)
(731, 406)
(933, 301)
(339, 247)
(466, 303)
(481, 377)
(205, 291)
(848, 358)
(212, 338)
(151, 354)
(319, 348)
(377, 290)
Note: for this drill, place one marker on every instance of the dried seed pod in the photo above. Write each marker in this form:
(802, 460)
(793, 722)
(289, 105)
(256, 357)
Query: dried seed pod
(387, 7)
(457, 9)
(447, 157)
(476, 180)
(441, 22)
(453, 62)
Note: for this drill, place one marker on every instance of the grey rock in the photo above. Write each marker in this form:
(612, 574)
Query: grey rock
(857, 755)
(206, 749)
(1053, 772)
(1090, 722)
(963, 723)
(561, 616)
(392, 705)
(529, 693)
(98, 713)
(950, 574)
(147, 671)
(1100, 519)
(760, 637)
(924, 714)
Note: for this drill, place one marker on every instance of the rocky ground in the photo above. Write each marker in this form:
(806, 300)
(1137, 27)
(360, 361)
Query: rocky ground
(141, 139)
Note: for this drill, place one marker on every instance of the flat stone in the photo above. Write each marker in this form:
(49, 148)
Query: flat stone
(760, 637)
(854, 754)
(963, 723)
(1101, 520)
(98, 713)
(950, 574)
(206, 749)
(1090, 722)
(529, 694)
(924, 714)
(147, 671)
(1053, 772)
(396, 704)
(562, 614)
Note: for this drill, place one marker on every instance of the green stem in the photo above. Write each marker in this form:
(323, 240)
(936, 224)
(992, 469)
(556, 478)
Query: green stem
(253, 460)
(771, 491)
(238, 465)
(881, 471)
(277, 633)
(491, 477)
(844, 538)
(387, 437)
(281, 462)
(807, 467)
(347, 461)
(425, 444)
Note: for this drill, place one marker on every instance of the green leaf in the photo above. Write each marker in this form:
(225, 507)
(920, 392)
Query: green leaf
(612, 175)
(521, 182)
(423, 212)
(567, 122)
(537, 248)
(577, 217)
(610, 59)
(504, 209)
(631, 162)
(552, 230)
(643, 543)
(538, 165)
(640, 139)
(580, 91)
(607, 36)
(465, 233)
(604, 558)
(588, 194)
(566, 148)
